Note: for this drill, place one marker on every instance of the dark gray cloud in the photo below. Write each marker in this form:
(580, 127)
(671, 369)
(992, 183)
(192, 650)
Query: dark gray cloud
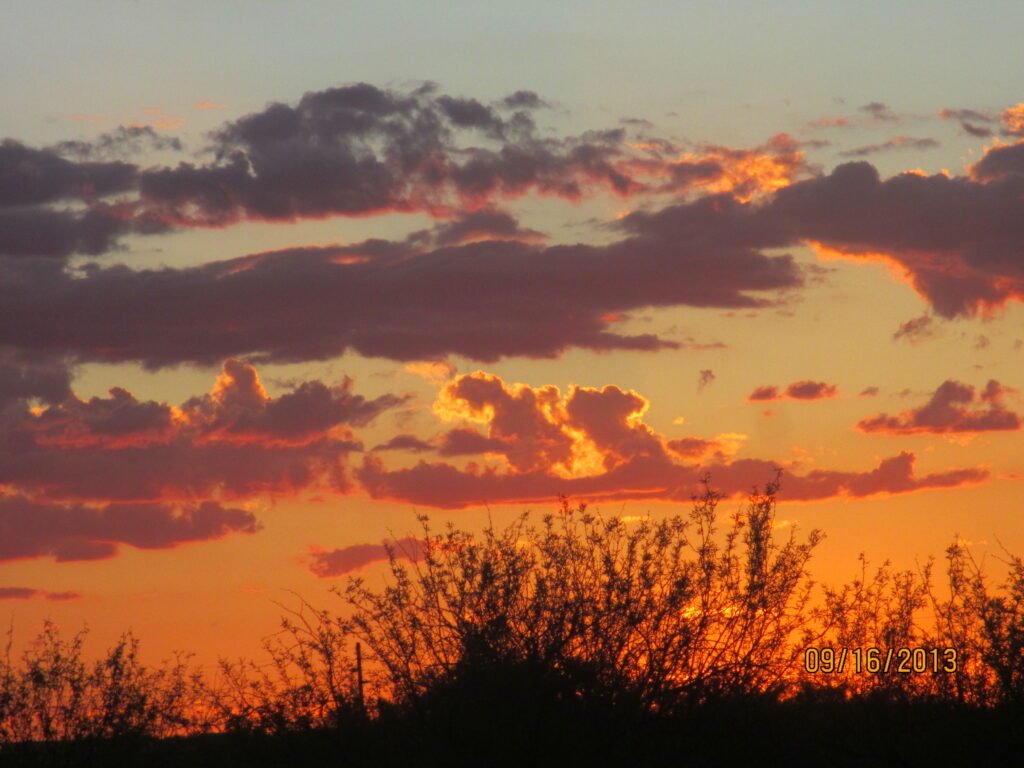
(35, 176)
(523, 100)
(891, 145)
(954, 407)
(359, 149)
(1001, 163)
(405, 442)
(40, 231)
(30, 529)
(959, 239)
(337, 562)
(483, 300)
(915, 329)
(24, 375)
(124, 140)
(879, 111)
(484, 224)
(798, 390)
(946, 113)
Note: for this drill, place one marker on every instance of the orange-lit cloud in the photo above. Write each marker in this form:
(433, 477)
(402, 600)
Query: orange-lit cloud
(161, 120)
(743, 173)
(434, 371)
(233, 443)
(830, 122)
(594, 443)
(953, 408)
(1013, 119)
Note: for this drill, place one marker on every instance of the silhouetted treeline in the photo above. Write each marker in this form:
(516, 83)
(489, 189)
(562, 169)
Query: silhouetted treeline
(578, 640)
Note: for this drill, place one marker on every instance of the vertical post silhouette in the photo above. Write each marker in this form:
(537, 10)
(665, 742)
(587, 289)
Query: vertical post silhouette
(359, 678)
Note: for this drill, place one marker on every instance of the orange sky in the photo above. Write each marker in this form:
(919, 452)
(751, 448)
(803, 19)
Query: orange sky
(238, 353)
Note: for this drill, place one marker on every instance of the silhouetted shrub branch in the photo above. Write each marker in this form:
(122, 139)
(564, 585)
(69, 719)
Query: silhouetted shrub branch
(591, 619)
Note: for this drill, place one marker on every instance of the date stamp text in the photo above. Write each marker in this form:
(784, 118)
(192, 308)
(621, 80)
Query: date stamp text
(875, 661)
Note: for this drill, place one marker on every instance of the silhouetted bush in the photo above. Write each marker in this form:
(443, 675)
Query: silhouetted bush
(658, 612)
(580, 639)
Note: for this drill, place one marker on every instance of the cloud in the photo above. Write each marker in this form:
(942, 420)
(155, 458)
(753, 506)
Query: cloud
(358, 149)
(124, 140)
(434, 371)
(830, 122)
(457, 289)
(473, 226)
(336, 562)
(349, 151)
(705, 378)
(969, 120)
(1001, 163)
(798, 390)
(444, 486)
(766, 392)
(235, 442)
(44, 232)
(593, 443)
(744, 173)
(466, 441)
(1013, 120)
(879, 111)
(523, 100)
(956, 239)
(869, 392)
(240, 410)
(28, 593)
(403, 442)
(953, 408)
(482, 300)
(36, 176)
(24, 375)
(719, 448)
(916, 329)
(811, 390)
(891, 145)
(33, 181)
(966, 114)
(30, 529)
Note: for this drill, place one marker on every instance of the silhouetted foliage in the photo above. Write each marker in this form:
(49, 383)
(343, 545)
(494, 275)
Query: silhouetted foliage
(579, 639)
(659, 612)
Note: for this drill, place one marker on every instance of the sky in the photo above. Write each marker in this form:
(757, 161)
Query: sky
(276, 278)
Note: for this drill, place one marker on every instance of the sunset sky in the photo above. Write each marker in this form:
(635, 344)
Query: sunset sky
(272, 281)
